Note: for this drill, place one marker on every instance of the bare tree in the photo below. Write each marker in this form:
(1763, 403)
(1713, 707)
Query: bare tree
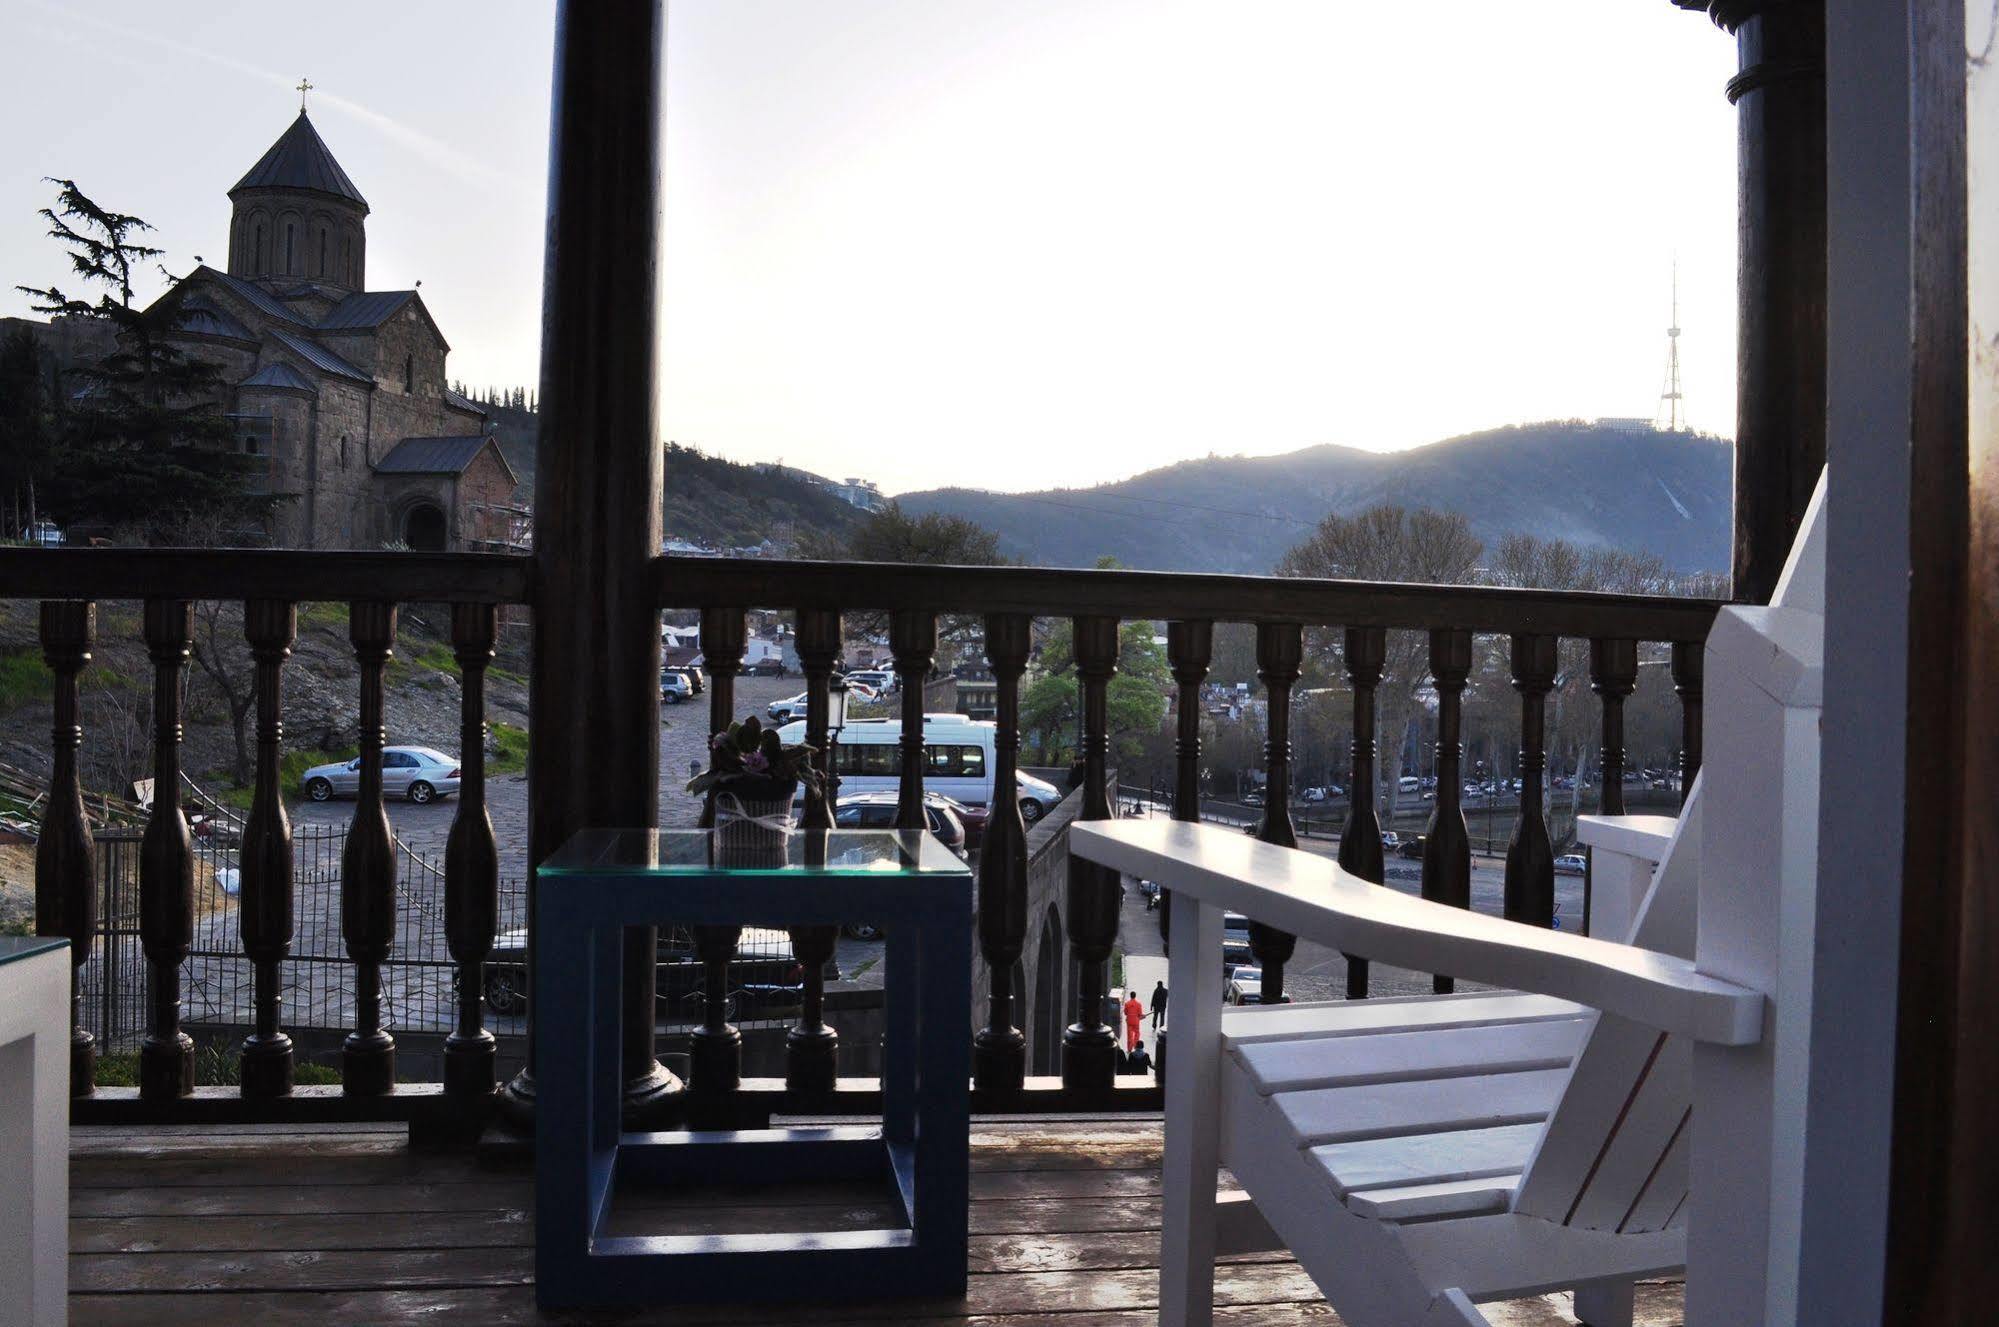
(1391, 543)
(224, 659)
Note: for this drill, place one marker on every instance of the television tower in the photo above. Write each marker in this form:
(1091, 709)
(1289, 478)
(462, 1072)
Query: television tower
(1670, 416)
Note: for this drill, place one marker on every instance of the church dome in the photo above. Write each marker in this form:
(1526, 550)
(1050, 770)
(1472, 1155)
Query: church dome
(298, 217)
(300, 159)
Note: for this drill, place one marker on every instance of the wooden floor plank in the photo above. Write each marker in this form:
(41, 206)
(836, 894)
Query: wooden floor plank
(207, 1228)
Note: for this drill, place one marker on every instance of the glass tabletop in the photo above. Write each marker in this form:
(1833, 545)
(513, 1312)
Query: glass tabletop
(804, 853)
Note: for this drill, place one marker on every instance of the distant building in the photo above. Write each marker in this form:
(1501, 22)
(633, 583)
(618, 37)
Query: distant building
(338, 390)
(862, 493)
(1624, 424)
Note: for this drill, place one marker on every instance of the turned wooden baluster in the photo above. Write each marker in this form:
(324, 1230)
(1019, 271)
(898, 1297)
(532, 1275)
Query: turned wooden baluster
(1360, 839)
(1447, 842)
(471, 864)
(1688, 661)
(1613, 673)
(166, 863)
(65, 853)
(1189, 647)
(368, 868)
(913, 638)
(811, 1049)
(999, 1051)
(1530, 857)
(715, 1050)
(1089, 1046)
(1280, 653)
(270, 625)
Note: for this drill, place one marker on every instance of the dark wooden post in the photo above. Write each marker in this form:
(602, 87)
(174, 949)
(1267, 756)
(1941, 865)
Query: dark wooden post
(1530, 857)
(913, 638)
(1447, 844)
(1779, 96)
(65, 855)
(270, 625)
(715, 1049)
(811, 1048)
(471, 864)
(1360, 840)
(1189, 648)
(1689, 657)
(166, 862)
(594, 696)
(1089, 1046)
(1280, 654)
(1613, 673)
(999, 1051)
(368, 867)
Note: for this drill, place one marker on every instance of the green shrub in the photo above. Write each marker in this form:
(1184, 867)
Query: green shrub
(512, 749)
(23, 677)
(438, 657)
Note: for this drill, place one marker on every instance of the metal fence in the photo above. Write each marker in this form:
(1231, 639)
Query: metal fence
(419, 980)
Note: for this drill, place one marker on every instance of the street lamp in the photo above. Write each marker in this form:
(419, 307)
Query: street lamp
(836, 720)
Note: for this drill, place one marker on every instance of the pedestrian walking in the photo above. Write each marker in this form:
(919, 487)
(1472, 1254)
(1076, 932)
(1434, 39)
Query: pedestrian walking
(1158, 1006)
(1134, 1014)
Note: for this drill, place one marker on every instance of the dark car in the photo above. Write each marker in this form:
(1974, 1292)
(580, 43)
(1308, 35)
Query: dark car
(763, 975)
(877, 811)
(770, 665)
(1411, 846)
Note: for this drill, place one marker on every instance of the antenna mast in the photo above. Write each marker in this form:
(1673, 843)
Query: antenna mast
(1670, 416)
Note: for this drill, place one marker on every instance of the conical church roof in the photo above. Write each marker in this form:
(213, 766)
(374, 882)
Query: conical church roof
(300, 160)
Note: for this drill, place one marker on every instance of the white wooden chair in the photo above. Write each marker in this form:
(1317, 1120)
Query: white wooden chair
(1419, 1155)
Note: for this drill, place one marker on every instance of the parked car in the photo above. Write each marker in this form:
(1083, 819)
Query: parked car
(1254, 797)
(771, 665)
(43, 534)
(764, 975)
(1313, 796)
(1571, 863)
(1390, 840)
(881, 681)
(1411, 846)
(695, 677)
(789, 710)
(973, 818)
(416, 772)
(1245, 986)
(674, 687)
(877, 811)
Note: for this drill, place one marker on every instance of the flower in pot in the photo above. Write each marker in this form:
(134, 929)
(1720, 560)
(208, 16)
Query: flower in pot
(752, 774)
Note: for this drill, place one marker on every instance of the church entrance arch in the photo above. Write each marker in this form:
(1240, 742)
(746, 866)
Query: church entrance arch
(424, 529)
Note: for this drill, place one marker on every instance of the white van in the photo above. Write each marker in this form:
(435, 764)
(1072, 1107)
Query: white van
(958, 761)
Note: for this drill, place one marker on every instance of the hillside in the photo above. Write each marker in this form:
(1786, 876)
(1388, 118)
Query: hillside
(1667, 494)
(724, 505)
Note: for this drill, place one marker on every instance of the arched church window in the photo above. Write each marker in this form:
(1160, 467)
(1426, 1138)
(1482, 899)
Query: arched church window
(322, 252)
(250, 444)
(343, 449)
(257, 264)
(409, 374)
(288, 247)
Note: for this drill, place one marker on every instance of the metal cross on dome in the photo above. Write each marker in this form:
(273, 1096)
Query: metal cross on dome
(304, 86)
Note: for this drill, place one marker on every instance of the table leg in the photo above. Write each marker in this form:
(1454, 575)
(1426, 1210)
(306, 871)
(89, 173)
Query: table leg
(901, 1060)
(944, 1053)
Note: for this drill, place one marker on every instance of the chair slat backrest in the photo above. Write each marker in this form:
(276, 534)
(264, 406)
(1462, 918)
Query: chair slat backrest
(1608, 1159)
(1614, 1155)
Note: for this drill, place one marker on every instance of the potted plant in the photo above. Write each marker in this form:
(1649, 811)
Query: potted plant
(752, 777)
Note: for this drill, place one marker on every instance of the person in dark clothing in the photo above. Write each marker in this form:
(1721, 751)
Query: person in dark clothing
(1158, 1006)
(1138, 1062)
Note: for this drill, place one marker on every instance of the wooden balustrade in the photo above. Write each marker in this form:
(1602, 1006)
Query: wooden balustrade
(715, 1049)
(368, 866)
(1447, 843)
(1280, 655)
(999, 1050)
(471, 863)
(65, 855)
(271, 626)
(166, 862)
(1008, 600)
(1089, 1045)
(1360, 841)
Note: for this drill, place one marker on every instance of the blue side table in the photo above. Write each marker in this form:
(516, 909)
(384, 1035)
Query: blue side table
(602, 881)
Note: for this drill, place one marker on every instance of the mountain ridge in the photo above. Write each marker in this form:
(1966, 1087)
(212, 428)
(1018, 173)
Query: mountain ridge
(1603, 485)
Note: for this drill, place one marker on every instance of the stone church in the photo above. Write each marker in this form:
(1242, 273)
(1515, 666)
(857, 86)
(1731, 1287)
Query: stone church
(338, 389)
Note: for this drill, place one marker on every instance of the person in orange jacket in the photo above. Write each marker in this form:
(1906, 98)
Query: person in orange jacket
(1134, 1014)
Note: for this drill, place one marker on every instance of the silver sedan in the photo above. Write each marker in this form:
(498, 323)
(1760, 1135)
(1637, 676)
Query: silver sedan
(416, 772)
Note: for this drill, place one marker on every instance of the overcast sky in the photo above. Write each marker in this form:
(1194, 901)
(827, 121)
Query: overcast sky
(1005, 245)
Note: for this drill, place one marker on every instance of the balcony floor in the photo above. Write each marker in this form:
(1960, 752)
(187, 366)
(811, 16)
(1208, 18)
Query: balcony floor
(277, 1225)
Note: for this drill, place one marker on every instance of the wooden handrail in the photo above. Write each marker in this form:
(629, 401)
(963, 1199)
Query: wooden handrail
(295, 575)
(686, 582)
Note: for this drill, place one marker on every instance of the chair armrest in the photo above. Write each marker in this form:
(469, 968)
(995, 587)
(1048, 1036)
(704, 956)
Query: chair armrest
(1643, 837)
(1313, 898)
